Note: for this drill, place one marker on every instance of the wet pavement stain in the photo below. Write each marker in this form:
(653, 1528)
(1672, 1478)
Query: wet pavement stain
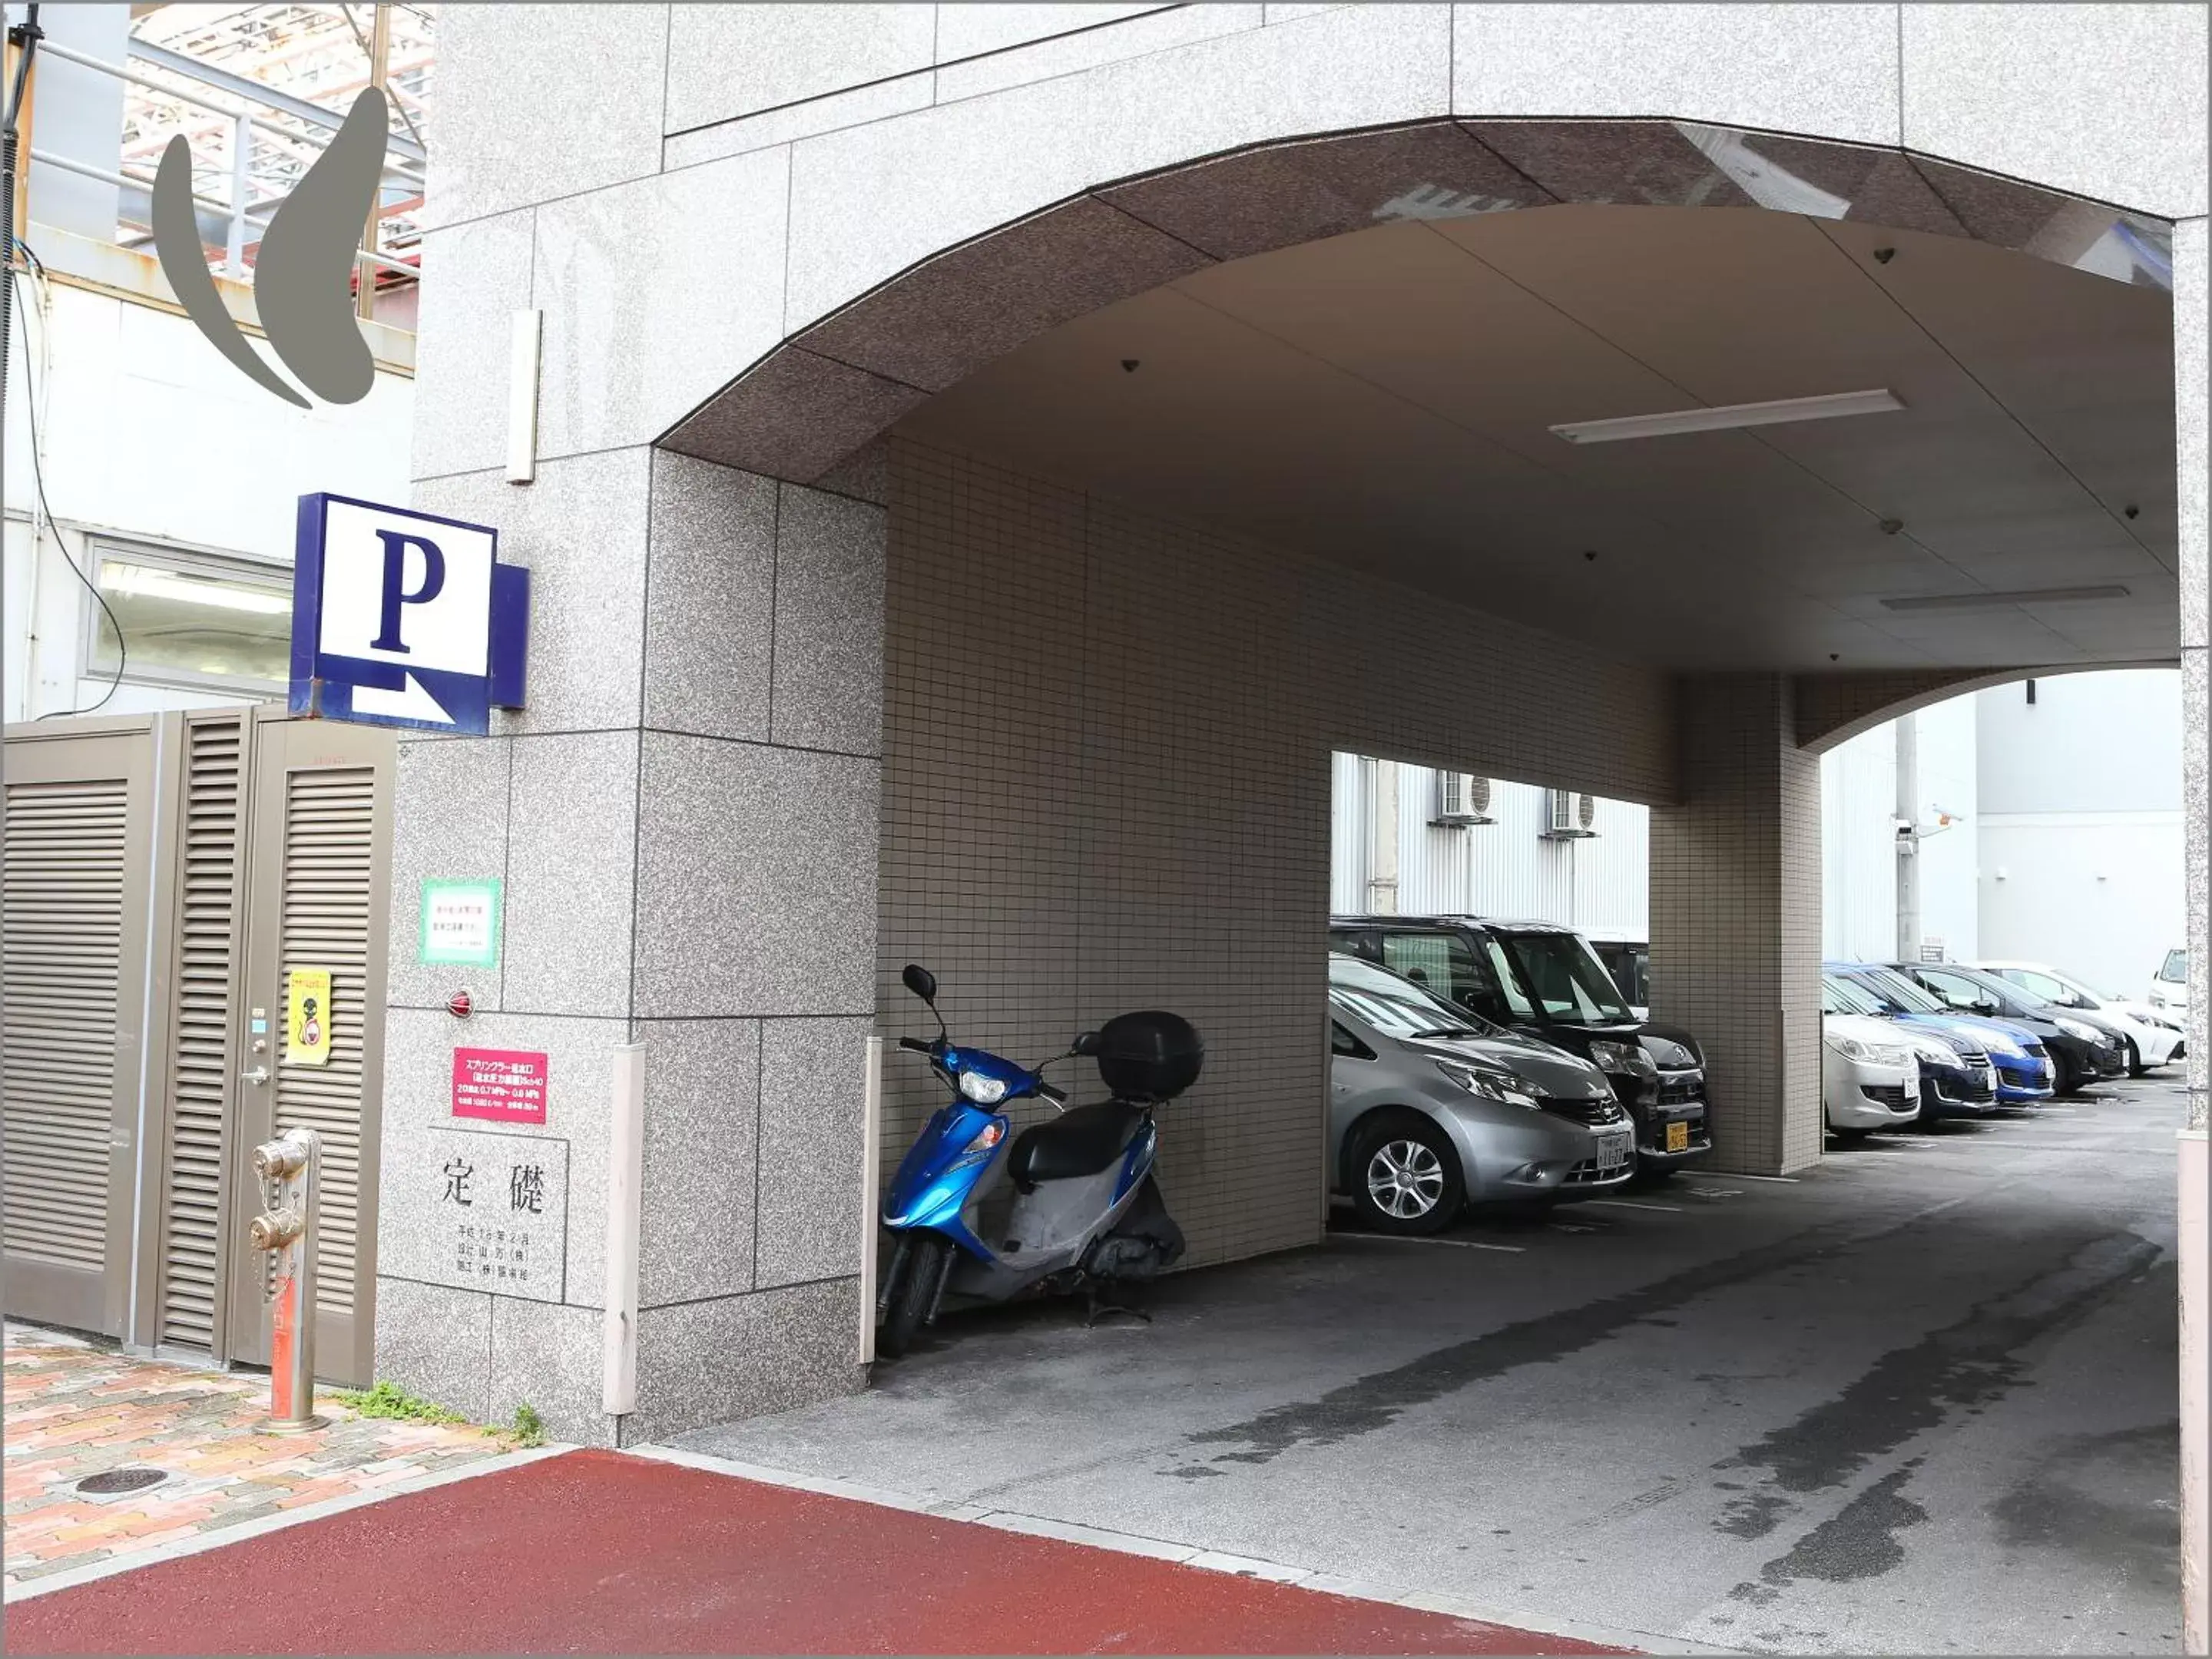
(1959, 1368)
(1754, 1515)
(1859, 1541)
(2086, 1498)
(1373, 1402)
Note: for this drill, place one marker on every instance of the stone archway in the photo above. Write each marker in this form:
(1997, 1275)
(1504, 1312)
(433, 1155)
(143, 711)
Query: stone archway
(804, 411)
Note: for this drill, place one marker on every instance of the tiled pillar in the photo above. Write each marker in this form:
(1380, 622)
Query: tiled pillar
(2190, 306)
(1735, 916)
(684, 820)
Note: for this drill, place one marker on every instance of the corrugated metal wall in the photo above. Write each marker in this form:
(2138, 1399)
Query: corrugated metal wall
(1598, 883)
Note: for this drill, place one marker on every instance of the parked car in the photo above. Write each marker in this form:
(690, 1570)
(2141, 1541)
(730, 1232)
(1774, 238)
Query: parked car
(1957, 1077)
(1432, 1109)
(1629, 961)
(1544, 981)
(2026, 1071)
(2153, 1037)
(2082, 1046)
(2169, 987)
(1869, 1076)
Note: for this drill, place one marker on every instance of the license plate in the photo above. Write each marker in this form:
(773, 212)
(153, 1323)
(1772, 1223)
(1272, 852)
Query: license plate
(1612, 1151)
(1678, 1137)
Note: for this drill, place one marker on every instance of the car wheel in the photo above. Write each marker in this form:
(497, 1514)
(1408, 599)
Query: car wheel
(2135, 1067)
(2069, 1079)
(1406, 1176)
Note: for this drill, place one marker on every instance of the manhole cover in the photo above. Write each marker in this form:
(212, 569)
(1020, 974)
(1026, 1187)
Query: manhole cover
(108, 1482)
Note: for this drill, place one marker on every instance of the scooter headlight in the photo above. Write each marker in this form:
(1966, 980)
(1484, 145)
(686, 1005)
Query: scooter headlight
(983, 1091)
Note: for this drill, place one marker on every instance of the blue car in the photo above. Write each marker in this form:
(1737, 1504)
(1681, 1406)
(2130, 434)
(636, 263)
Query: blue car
(2025, 1073)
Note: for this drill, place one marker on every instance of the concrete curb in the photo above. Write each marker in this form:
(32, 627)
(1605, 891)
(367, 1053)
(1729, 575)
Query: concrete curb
(1189, 1555)
(93, 1571)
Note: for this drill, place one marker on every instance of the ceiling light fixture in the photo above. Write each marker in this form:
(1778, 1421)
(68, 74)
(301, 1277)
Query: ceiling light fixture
(1728, 415)
(2009, 596)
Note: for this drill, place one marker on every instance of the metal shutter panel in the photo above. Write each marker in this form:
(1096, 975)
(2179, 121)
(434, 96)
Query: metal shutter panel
(62, 879)
(208, 885)
(330, 823)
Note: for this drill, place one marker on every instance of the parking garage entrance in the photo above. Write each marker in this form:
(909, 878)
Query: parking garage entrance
(1336, 497)
(1172, 491)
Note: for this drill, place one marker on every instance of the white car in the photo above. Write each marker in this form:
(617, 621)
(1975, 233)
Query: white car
(2156, 1033)
(1870, 1075)
(2169, 987)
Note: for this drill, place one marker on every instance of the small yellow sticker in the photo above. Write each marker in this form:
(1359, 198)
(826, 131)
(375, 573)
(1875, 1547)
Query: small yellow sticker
(307, 1017)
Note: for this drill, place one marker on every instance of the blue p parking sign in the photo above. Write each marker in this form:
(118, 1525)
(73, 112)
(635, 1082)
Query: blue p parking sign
(403, 618)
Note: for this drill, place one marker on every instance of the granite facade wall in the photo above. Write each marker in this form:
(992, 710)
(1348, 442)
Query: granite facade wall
(684, 823)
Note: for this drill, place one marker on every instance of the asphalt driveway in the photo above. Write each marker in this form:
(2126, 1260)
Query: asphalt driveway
(1922, 1399)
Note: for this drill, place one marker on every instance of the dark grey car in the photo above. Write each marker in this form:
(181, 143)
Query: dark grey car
(1432, 1109)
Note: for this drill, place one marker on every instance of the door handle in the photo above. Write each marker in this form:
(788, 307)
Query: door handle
(258, 1075)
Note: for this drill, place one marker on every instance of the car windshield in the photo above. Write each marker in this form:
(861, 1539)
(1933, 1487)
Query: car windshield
(1850, 999)
(1565, 976)
(1394, 1006)
(1893, 987)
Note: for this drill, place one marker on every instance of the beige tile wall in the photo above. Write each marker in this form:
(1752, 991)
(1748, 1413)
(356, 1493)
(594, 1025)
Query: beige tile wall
(1106, 787)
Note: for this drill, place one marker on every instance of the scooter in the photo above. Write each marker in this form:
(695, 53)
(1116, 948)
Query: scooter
(1086, 1213)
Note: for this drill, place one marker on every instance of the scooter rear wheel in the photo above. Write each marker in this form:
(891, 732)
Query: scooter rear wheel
(911, 1296)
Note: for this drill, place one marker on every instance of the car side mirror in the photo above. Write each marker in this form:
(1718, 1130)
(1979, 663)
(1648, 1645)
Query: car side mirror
(919, 981)
(1983, 1006)
(1085, 1044)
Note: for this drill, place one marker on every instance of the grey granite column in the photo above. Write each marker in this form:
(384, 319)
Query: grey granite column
(684, 821)
(2190, 305)
(1735, 916)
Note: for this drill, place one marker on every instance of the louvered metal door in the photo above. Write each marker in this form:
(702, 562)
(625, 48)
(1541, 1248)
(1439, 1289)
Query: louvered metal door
(198, 1224)
(73, 872)
(322, 812)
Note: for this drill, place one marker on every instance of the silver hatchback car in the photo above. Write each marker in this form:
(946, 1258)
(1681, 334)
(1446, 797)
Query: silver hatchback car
(1432, 1109)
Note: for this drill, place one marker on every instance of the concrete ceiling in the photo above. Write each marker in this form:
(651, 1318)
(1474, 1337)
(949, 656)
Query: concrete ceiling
(1382, 400)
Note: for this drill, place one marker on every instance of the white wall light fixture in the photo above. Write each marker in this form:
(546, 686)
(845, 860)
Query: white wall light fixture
(1726, 416)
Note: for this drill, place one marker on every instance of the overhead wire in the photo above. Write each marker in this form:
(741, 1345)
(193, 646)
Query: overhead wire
(42, 510)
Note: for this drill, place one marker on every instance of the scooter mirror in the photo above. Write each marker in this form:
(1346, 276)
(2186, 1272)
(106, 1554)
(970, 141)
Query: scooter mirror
(1085, 1044)
(919, 981)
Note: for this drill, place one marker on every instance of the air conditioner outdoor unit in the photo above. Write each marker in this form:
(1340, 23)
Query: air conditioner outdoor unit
(1462, 799)
(1568, 816)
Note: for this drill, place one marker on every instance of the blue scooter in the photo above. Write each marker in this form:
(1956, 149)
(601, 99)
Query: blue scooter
(1086, 1212)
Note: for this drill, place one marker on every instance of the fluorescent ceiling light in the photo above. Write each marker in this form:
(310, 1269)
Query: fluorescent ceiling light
(1826, 407)
(141, 581)
(2010, 596)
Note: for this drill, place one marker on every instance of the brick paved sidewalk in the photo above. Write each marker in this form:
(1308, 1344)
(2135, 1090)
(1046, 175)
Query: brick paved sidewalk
(74, 1408)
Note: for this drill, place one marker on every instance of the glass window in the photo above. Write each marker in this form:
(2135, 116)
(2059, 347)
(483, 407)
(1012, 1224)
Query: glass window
(1396, 1006)
(2045, 985)
(1564, 974)
(1840, 996)
(1955, 989)
(1893, 987)
(2176, 971)
(1341, 1041)
(193, 620)
(1443, 963)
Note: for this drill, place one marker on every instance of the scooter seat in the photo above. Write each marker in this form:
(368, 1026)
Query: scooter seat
(1079, 1142)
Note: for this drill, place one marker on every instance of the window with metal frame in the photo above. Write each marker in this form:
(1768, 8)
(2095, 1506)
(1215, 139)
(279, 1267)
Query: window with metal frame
(188, 619)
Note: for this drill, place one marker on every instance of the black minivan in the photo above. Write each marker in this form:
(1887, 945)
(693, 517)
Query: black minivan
(1544, 980)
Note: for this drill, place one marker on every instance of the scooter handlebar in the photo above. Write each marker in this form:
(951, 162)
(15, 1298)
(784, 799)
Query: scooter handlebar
(1050, 1092)
(915, 1043)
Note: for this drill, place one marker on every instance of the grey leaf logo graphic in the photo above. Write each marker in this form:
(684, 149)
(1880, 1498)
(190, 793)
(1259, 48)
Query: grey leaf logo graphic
(301, 281)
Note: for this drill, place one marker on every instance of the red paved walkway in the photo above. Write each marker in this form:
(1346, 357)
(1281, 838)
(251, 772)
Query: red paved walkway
(599, 1553)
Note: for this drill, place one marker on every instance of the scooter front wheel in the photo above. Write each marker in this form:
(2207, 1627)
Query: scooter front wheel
(912, 1296)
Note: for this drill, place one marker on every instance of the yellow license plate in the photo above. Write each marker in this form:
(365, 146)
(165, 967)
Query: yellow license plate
(1678, 1137)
